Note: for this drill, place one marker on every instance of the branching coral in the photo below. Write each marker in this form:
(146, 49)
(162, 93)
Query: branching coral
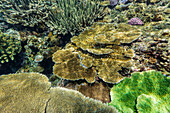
(25, 12)
(147, 13)
(61, 16)
(71, 16)
(143, 92)
(153, 48)
(10, 45)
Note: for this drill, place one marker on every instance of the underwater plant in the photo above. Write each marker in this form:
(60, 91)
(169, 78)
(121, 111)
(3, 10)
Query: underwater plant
(144, 92)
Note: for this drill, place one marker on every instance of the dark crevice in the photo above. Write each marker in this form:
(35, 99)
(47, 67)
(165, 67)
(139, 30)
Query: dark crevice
(47, 105)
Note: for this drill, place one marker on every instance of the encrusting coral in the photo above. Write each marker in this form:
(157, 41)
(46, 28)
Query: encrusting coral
(31, 92)
(98, 49)
(152, 49)
(10, 45)
(144, 92)
(147, 13)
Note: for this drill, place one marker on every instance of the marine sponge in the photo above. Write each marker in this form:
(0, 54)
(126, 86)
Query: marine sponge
(10, 45)
(148, 89)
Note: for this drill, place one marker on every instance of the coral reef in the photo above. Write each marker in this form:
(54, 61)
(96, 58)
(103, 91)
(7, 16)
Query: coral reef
(97, 49)
(71, 16)
(98, 90)
(61, 16)
(137, 94)
(147, 13)
(10, 45)
(152, 49)
(68, 66)
(25, 12)
(37, 49)
(31, 92)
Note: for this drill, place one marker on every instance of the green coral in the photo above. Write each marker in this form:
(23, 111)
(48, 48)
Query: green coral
(61, 16)
(155, 104)
(71, 16)
(142, 92)
(25, 12)
(9, 47)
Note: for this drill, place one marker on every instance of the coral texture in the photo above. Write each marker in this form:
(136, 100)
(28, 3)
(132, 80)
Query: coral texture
(31, 92)
(10, 45)
(61, 16)
(24, 92)
(98, 49)
(135, 21)
(142, 92)
(25, 12)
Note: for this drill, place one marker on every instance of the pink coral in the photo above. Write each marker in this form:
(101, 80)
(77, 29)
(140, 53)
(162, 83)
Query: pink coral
(135, 21)
(113, 2)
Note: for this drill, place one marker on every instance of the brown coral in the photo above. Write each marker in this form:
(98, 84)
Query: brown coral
(99, 49)
(153, 48)
(67, 65)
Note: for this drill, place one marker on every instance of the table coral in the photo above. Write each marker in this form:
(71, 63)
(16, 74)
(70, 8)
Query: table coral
(10, 45)
(67, 65)
(32, 92)
(138, 92)
(98, 48)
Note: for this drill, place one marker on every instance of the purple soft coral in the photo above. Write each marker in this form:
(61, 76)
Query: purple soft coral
(135, 21)
(113, 2)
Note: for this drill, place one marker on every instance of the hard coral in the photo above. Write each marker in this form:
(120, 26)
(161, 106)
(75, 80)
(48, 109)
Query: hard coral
(25, 12)
(31, 92)
(72, 16)
(138, 93)
(135, 21)
(98, 49)
(67, 65)
(10, 45)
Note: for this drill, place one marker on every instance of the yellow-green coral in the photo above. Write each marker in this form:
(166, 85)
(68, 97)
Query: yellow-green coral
(147, 13)
(32, 92)
(98, 50)
(9, 47)
(67, 65)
